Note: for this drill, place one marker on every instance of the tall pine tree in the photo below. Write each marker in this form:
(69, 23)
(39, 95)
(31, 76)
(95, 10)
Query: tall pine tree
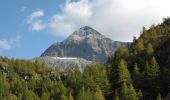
(127, 93)
(152, 69)
(151, 77)
(149, 49)
(136, 75)
(123, 73)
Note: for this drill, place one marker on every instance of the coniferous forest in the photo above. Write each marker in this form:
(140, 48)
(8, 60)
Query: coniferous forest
(140, 72)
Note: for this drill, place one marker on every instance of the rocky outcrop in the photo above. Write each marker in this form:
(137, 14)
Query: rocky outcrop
(64, 63)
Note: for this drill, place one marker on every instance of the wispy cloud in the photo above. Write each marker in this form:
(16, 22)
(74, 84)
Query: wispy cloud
(35, 22)
(6, 44)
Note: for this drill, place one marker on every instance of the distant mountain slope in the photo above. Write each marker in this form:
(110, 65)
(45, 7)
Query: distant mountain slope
(84, 43)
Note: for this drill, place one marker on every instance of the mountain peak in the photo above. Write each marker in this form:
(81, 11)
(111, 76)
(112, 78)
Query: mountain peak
(86, 43)
(85, 31)
(86, 28)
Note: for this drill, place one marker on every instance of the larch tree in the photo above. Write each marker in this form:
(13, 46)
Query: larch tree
(127, 93)
(159, 97)
(149, 49)
(99, 94)
(123, 73)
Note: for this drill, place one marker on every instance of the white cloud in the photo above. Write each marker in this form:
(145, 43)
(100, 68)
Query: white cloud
(79, 12)
(117, 19)
(34, 21)
(6, 44)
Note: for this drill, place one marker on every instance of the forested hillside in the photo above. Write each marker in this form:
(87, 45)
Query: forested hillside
(140, 72)
(27, 80)
(147, 61)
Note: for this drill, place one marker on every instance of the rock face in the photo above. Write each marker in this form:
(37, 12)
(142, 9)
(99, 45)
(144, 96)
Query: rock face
(84, 43)
(64, 63)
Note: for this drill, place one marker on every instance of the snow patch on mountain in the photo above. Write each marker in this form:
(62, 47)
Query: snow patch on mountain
(64, 58)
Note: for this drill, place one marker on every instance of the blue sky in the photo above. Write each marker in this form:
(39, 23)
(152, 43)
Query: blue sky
(28, 27)
(13, 24)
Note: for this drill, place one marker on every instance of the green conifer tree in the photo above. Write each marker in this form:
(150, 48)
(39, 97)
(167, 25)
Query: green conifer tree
(4, 85)
(159, 97)
(99, 94)
(127, 93)
(116, 98)
(140, 95)
(155, 67)
(149, 49)
(30, 95)
(45, 96)
(70, 96)
(139, 46)
(85, 95)
(123, 73)
(121, 53)
(152, 69)
(136, 72)
(151, 76)
(136, 76)
(132, 93)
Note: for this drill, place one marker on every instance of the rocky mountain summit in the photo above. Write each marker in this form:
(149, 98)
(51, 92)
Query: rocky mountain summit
(85, 43)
